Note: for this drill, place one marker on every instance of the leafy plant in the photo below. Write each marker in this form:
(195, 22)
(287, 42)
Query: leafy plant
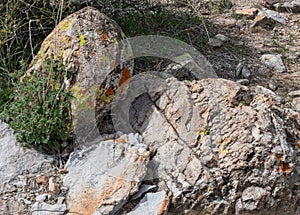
(39, 110)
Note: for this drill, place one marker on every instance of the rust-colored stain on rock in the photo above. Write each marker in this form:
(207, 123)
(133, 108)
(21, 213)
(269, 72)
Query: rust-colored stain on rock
(163, 207)
(85, 204)
(87, 201)
(110, 189)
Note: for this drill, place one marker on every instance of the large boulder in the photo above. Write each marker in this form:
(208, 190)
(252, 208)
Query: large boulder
(89, 44)
(210, 146)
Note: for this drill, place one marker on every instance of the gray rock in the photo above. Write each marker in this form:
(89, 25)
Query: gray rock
(205, 159)
(288, 6)
(198, 66)
(267, 19)
(263, 90)
(296, 103)
(90, 42)
(101, 178)
(273, 61)
(17, 162)
(243, 81)
(41, 198)
(215, 43)
(250, 200)
(272, 85)
(42, 208)
(243, 71)
(150, 204)
(222, 37)
(17, 166)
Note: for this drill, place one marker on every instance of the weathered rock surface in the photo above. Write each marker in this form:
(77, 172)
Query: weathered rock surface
(210, 146)
(103, 177)
(88, 42)
(223, 149)
(19, 168)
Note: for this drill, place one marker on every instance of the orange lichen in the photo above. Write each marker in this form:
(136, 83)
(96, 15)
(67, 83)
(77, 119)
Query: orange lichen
(105, 37)
(297, 142)
(162, 207)
(200, 197)
(284, 167)
(124, 76)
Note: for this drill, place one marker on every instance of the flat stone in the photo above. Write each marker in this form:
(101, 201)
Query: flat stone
(42, 208)
(248, 12)
(273, 61)
(243, 81)
(152, 203)
(263, 90)
(224, 22)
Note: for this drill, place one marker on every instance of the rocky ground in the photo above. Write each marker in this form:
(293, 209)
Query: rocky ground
(249, 37)
(259, 38)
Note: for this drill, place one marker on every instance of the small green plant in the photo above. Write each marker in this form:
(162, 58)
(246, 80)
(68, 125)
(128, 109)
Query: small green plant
(38, 111)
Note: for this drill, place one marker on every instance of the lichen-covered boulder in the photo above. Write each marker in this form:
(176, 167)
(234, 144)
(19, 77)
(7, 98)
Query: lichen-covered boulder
(88, 43)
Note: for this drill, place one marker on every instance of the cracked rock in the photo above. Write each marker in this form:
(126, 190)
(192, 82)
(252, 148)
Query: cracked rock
(101, 178)
(208, 164)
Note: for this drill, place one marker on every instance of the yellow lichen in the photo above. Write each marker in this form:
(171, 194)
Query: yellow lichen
(66, 25)
(82, 40)
(223, 146)
(201, 134)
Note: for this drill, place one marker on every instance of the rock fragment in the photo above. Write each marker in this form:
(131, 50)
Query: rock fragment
(243, 71)
(273, 61)
(102, 177)
(288, 6)
(267, 19)
(42, 208)
(249, 13)
(215, 43)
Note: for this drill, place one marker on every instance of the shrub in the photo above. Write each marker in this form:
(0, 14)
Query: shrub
(39, 110)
